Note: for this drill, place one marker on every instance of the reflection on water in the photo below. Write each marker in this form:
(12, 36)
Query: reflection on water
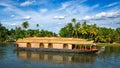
(55, 58)
(11, 58)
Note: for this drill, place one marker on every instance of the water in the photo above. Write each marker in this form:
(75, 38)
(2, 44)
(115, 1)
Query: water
(11, 58)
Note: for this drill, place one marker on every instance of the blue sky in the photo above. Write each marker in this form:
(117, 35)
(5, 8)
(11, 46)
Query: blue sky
(55, 14)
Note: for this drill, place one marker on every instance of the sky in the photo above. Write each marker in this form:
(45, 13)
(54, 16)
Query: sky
(54, 14)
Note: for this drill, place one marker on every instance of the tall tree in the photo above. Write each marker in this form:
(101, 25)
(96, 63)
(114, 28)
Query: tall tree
(74, 21)
(76, 29)
(69, 29)
(3, 33)
(74, 33)
(84, 29)
(37, 25)
(25, 24)
(93, 31)
(118, 34)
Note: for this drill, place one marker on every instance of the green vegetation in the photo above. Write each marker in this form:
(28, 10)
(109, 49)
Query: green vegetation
(25, 24)
(21, 32)
(106, 44)
(74, 29)
(3, 33)
(90, 32)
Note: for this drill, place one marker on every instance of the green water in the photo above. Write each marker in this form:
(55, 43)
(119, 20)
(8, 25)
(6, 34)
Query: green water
(11, 58)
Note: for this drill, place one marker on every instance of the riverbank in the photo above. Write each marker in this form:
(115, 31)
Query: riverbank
(6, 43)
(108, 44)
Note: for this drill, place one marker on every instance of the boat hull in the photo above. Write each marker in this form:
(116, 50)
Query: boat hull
(58, 50)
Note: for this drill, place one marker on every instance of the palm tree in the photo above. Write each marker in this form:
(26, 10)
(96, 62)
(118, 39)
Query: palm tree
(74, 21)
(92, 31)
(118, 34)
(84, 32)
(69, 29)
(74, 29)
(37, 31)
(37, 25)
(84, 29)
(25, 24)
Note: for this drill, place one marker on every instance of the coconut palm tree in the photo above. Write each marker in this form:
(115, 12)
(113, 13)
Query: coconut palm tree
(74, 21)
(69, 29)
(37, 25)
(37, 31)
(84, 32)
(84, 29)
(93, 31)
(25, 24)
(74, 31)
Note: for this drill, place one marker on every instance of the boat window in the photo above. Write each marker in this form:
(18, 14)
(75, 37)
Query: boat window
(28, 45)
(65, 46)
(73, 46)
(41, 45)
(17, 45)
(50, 45)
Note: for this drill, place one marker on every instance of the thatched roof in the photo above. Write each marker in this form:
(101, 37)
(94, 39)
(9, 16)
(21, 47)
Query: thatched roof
(54, 40)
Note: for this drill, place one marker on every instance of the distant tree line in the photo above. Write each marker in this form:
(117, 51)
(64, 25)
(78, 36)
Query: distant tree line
(21, 32)
(3, 33)
(91, 32)
(73, 29)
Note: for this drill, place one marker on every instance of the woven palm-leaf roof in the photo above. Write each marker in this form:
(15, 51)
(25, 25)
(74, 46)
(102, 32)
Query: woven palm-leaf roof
(54, 40)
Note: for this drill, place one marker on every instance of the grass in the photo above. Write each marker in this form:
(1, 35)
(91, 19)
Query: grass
(6, 43)
(108, 44)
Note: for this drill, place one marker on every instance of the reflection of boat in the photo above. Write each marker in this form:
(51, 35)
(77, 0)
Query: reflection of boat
(55, 44)
(11, 40)
(55, 58)
(101, 50)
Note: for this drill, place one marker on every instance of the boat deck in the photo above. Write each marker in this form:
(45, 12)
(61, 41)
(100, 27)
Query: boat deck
(58, 50)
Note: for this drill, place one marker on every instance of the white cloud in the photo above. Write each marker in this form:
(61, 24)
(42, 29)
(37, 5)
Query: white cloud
(87, 18)
(59, 17)
(26, 17)
(43, 10)
(64, 6)
(95, 6)
(50, 20)
(41, 25)
(7, 6)
(14, 24)
(103, 15)
(12, 15)
(112, 4)
(74, 8)
(113, 14)
(100, 15)
(60, 23)
(4, 4)
(104, 19)
(26, 3)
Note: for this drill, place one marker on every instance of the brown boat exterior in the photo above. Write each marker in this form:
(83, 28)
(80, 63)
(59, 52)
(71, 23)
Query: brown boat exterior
(56, 44)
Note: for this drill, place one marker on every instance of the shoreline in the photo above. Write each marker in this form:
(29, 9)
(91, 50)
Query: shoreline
(108, 44)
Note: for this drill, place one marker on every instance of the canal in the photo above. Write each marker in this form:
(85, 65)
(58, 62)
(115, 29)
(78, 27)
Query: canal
(12, 58)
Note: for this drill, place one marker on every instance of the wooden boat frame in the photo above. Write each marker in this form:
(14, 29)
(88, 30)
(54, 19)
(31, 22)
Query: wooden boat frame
(56, 44)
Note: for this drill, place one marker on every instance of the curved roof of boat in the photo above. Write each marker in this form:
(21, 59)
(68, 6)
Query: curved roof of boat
(54, 40)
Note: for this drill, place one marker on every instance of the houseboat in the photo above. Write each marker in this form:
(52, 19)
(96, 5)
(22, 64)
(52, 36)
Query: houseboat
(57, 44)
